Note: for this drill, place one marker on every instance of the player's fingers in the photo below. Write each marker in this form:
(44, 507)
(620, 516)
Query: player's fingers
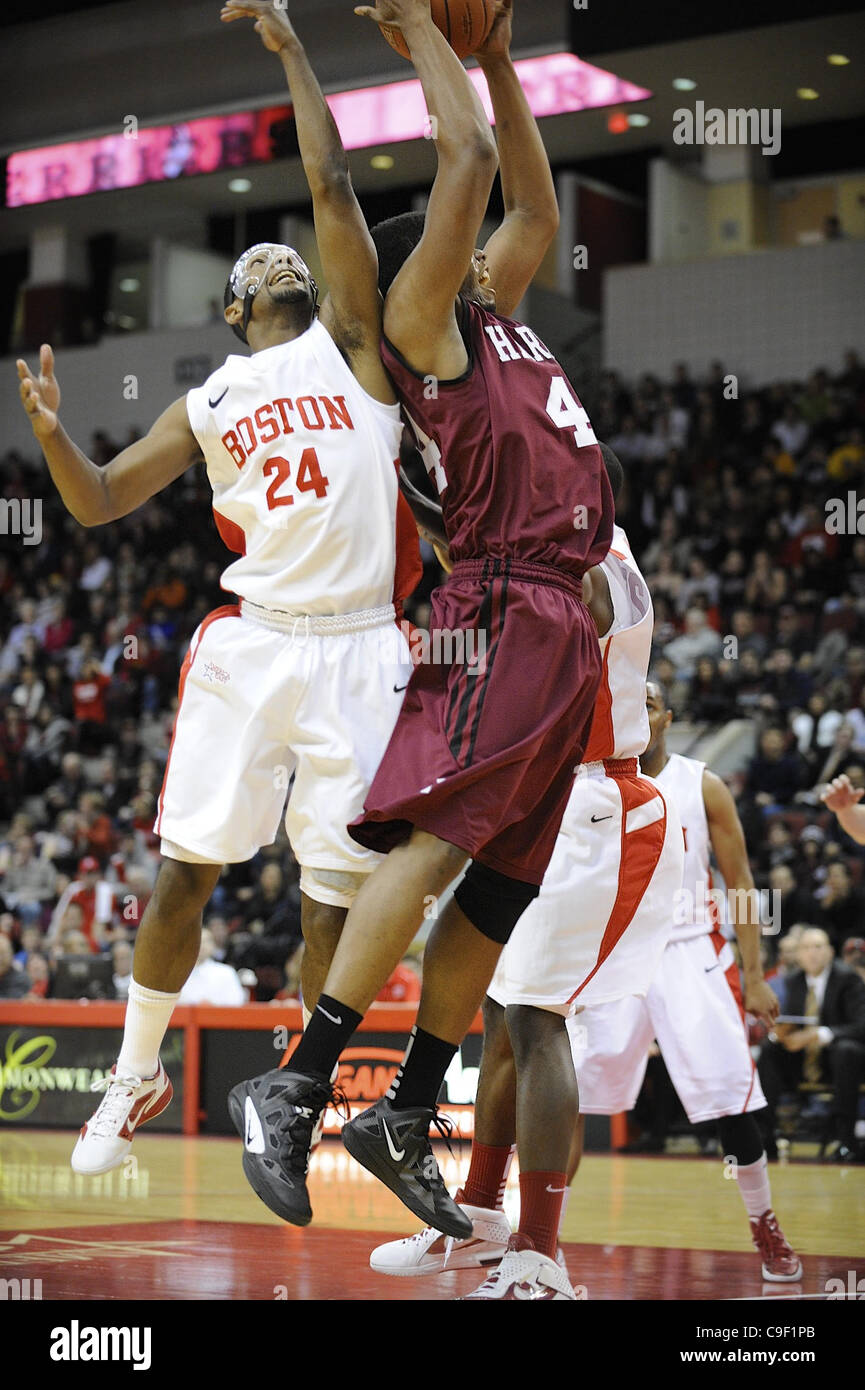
(368, 12)
(46, 360)
(24, 372)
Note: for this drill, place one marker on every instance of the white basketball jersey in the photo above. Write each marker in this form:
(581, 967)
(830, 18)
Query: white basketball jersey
(694, 910)
(302, 462)
(620, 727)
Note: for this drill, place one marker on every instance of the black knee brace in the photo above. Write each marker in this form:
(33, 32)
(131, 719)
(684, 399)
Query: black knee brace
(493, 902)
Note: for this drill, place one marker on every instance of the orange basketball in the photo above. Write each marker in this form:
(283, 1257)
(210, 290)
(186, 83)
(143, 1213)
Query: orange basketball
(464, 23)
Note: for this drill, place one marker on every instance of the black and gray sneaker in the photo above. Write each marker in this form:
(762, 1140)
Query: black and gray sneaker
(394, 1146)
(275, 1115)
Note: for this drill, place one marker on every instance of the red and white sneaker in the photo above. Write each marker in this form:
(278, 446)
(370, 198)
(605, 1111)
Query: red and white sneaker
(106, 1138)
(781, 1264)
(526, 1274)
(429, 1252)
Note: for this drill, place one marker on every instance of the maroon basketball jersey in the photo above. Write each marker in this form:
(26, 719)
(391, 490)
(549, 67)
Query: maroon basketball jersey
(511, 450)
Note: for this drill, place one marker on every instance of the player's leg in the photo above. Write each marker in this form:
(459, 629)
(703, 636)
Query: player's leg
(166, 950)
(322, 925)
(696, 1009)
(482, 1195)
(547, 1111)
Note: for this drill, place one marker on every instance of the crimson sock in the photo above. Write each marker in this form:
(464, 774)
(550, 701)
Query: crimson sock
(541, 1196)
(487, 1177)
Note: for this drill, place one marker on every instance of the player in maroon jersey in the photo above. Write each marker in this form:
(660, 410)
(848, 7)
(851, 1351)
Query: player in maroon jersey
(482, 759)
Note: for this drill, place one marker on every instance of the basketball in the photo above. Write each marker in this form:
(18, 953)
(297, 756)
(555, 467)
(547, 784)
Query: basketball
(464, 23)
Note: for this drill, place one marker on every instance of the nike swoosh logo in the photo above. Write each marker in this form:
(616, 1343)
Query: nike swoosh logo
(253, 1136)
(556, 1189)
(214, 404)
(595, 819)
(396, 1154)
(337, 1021)
(398, 688)
(707, 969)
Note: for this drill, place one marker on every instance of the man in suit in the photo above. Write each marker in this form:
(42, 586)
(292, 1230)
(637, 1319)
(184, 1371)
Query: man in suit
(831, 1050)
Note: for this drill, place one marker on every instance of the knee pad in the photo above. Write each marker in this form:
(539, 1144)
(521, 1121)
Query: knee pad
(333, 887)
(493, 902)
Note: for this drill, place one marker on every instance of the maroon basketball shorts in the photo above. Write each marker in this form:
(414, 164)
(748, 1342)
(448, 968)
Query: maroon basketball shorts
(495, 719)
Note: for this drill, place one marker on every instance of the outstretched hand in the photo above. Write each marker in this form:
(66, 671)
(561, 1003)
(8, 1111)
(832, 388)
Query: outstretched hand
(40, 395)
(394, 13)
(272, 24)
(497, 43)
(840, 794)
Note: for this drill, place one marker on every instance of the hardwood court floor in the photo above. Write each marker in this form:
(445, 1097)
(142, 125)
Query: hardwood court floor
(180, 1223)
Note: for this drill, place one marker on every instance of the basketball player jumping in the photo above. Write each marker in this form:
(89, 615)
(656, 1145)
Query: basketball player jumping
(596, 933)
(304, 677)
(482, 759)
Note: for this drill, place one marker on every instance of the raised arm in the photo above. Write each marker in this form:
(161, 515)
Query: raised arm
(352, 310)
(843, 799)
(728, 842)
(531, 220)
(419, 316)
(96, 495)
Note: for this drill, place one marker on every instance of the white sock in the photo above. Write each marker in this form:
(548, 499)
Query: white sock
(566, 1197)
(753, 1180)
(148, 1014)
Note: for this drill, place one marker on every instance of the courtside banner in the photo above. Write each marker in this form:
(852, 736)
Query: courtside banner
(46, 1074)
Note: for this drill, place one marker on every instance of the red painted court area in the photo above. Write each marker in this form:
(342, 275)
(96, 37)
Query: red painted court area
(218, 1260)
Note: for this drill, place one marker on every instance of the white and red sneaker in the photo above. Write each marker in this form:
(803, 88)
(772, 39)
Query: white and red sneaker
(526, 1274)
(429, 1252)
(106, 1138)
(781, 1264)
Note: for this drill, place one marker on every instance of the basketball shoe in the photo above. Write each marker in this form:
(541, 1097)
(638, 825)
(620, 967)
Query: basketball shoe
(429, 1252)
(276, 1115)
(525, 1274)
(394, 1146)
(781, 1264)
(129, 1101)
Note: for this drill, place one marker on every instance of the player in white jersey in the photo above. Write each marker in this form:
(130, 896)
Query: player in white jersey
(596, 932)
(304, 677)
(694, 1008)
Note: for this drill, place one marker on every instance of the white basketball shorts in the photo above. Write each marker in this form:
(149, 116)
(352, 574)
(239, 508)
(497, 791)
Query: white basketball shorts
(598, 929)
(694, 1011)
(258, 705)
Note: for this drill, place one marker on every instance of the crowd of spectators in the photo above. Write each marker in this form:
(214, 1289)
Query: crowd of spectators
(760, 615)
(742, 507)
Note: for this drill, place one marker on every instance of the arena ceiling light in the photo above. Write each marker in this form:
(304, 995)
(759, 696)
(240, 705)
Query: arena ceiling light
(555, 84)
(382, 161)
(807, 94)
(684, 84)
(129, 285)
(837, 60)
(638, 118)
(239, 185)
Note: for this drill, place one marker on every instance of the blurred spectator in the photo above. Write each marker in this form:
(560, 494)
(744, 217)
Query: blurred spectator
(210, 981)
(14, 983)
(93, 898)
(403, 987)
(30, 882)
(787, 963)
(697, 640)
(38, 975)
(121, 959)
(775, 774)
(796, 904)
(842, 906)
